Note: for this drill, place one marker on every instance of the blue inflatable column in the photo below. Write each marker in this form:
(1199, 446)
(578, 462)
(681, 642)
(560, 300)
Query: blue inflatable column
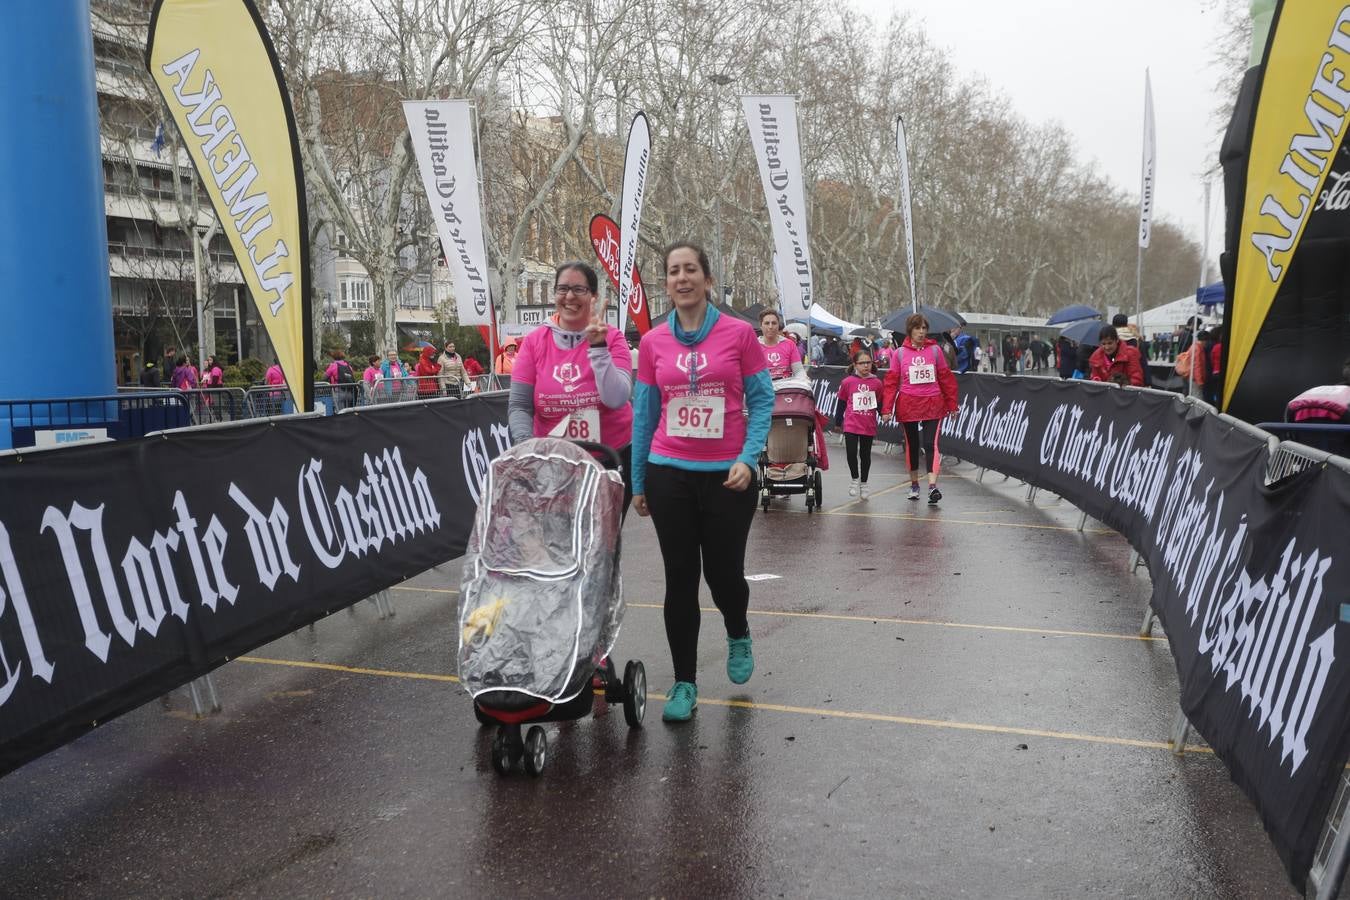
(56, 312)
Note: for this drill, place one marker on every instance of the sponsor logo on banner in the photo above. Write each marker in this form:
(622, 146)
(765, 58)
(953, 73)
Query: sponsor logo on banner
(630, 207)
(1299, 121)
(310, 516)
(1250, 597)
(220, 80)
(442, 140)
(605, 239)
(772, 121)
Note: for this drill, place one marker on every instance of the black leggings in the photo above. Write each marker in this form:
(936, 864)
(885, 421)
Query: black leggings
(700, 525)
(852, 444)
(929, 444)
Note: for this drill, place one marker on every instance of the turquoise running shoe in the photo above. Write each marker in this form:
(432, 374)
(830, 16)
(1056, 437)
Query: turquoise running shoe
(681, 702)
(740, 661)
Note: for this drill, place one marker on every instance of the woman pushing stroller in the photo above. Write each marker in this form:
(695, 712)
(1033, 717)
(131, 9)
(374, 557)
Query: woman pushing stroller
(920, 390)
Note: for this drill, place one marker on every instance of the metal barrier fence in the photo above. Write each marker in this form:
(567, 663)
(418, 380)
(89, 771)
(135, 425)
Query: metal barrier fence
(1330, 437)
(28, 423)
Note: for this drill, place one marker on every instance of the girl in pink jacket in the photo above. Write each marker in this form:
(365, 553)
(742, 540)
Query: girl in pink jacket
(859, 400)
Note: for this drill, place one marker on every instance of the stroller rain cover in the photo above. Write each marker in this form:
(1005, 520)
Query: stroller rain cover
(540, 599)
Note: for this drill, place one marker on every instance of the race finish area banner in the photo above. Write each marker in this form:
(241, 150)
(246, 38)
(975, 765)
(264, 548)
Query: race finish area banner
(129, 568)
(1248, 579)
(221, 82)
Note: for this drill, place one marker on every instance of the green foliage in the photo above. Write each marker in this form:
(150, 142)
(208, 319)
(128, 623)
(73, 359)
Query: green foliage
(362, 339)
(251, 370)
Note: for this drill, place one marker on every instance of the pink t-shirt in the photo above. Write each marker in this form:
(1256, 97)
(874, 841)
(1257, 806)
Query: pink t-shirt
(566, 397)
(780, 357)
(919, 369)
(707, 425)
(274, 375)
(861, 398)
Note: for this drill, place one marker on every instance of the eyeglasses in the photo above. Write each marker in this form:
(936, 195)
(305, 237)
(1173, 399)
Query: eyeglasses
(576, 290)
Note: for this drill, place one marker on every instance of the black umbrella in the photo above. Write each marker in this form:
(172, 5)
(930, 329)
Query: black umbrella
(1084, 332)
(863, 331)
(938, 319)
(1072, 314)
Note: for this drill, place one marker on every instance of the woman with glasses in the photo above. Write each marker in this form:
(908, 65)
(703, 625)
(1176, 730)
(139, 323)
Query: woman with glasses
(694, 456)
(571, 377)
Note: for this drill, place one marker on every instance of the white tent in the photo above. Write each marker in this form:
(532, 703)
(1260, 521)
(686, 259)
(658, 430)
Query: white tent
(821, 320)
(1178, 312)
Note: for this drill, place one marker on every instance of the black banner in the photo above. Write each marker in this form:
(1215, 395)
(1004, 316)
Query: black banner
(1248, 579)
(129, 568)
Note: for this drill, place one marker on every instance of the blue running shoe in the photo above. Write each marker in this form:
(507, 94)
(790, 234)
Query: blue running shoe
(681, 702)
(740, 661)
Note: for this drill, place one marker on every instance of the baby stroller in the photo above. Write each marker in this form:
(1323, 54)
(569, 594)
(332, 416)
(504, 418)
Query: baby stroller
(541, 600)
(789, 464)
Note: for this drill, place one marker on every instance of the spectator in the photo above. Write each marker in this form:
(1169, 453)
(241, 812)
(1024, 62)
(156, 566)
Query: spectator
(472, 367)
(339, 371)
(150, 376)
(454, 378)
(1130, 336)
(1115, 361)
(967, 350)
(212, 376)
(506, 360)
(427, 370)
(184, 376)
(1068, 357)
(274, 374)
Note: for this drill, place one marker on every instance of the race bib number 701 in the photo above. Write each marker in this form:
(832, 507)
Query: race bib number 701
(696, 417)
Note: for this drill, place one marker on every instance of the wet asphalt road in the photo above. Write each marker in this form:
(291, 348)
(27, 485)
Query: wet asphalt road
(947, 702)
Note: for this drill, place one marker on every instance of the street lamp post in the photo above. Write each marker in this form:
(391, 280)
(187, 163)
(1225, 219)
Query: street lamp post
(719, 80)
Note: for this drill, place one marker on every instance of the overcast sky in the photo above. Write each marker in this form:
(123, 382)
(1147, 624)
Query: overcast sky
(1082, 62)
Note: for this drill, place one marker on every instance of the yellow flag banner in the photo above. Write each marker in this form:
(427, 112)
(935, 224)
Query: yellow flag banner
(1301, 113)
(218, 73)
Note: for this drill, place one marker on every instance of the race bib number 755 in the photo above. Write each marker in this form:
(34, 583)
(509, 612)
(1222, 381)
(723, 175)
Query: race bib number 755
(696, 417)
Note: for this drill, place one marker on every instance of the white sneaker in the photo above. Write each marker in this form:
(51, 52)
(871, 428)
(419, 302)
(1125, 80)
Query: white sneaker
(862, 491)
(853, 488)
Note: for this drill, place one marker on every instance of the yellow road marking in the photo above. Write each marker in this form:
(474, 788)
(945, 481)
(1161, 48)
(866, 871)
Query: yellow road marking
(943, 520)
(781, 708)
(352, 670)
(839, 617)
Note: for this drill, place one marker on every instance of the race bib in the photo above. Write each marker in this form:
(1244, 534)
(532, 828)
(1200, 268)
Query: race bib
(579, 425)
(922, 372)
(864, 401)
(696, 417)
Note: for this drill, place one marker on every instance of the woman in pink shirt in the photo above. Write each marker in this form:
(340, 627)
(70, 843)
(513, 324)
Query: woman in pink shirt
(701, 411)
(571, 377)
(780, 354)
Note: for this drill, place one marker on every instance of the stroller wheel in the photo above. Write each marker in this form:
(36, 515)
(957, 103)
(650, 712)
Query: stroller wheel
(634, 693)
(501, 752)
(536, 751)
(819, 485)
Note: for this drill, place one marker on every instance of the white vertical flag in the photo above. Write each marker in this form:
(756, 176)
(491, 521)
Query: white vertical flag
(442, 139)
(1148, 174)
(772, 120)
(906, 212)
(630, 209)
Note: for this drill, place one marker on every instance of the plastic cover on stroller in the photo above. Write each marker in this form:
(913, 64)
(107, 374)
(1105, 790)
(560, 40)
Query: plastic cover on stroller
(540, 599)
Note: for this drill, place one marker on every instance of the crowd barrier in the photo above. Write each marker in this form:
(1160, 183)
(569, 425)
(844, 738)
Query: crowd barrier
(130, 568)
(43, 423)
(1243, 538)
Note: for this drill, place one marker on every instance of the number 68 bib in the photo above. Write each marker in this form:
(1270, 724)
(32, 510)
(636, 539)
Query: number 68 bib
(579, 425)
(696, 417)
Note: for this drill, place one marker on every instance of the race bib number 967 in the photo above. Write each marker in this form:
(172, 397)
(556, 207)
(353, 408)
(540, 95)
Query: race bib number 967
(696, 417)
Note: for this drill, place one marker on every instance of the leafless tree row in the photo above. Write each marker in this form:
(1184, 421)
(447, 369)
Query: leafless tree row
(1007, 218)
